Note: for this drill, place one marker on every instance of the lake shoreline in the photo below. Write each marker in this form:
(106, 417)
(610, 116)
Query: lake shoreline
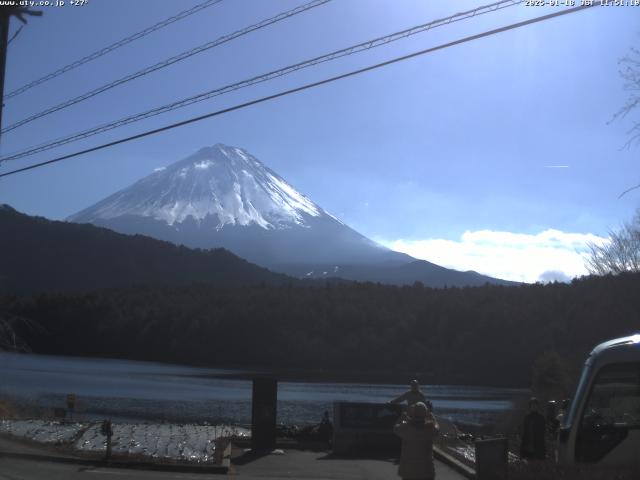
(240, 372)
(107, 388)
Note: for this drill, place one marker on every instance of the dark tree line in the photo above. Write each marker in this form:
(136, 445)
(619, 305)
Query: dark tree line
(38, 254)
(484, 335)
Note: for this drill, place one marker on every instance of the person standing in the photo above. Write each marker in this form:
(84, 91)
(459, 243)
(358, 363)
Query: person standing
(412, 396)
(417, 429)
(533, 433)
(325, 428)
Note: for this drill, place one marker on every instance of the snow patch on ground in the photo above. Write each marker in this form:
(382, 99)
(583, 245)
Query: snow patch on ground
(165, 441)
(42, 431)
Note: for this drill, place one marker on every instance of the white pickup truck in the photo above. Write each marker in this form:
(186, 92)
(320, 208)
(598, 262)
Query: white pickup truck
(602, 425)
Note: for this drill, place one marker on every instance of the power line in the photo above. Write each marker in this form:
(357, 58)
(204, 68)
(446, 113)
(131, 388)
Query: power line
(305, 87)
(170, 61)
(265, 77)
(113, 46)
(15, 34)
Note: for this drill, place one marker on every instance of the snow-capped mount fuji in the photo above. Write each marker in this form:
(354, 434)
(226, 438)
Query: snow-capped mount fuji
(222, 196)
(220, 182)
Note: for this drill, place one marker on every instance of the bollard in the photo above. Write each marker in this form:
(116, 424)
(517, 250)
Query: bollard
(492, 456)
(263, 414)
(71, 403)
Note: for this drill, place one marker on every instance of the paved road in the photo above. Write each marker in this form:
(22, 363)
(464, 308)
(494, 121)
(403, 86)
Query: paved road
(320, 466)
(11, 469)
(293, 465)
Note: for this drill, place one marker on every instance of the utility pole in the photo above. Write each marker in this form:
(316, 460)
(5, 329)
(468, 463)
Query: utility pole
(6, 12)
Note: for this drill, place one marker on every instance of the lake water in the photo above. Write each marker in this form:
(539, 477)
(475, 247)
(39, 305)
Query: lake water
(132, 390)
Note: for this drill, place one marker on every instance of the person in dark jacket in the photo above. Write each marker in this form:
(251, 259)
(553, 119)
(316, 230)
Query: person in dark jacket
(411, 396)
(325, 428)
(533, 433)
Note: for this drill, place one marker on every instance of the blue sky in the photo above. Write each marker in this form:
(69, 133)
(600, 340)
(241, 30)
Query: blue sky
(444, 156)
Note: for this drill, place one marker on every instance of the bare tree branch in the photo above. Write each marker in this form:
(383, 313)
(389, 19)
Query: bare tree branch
(631, 189)
(620, 254)
(630, 73)
(9, 339)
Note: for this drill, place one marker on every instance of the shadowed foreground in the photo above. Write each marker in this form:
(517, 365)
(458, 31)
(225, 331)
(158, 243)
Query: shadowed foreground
(291, 464)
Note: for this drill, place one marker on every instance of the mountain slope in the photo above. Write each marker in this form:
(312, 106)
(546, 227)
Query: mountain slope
(224, 197)
(429, 274)
(40, 254)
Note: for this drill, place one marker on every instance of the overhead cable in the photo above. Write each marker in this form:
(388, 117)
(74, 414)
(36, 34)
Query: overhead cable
(303, 87)
(113, 46)
(167, 62)
(377, 42)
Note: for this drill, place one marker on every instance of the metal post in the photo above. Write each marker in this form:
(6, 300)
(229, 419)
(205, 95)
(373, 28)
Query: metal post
(263, 414)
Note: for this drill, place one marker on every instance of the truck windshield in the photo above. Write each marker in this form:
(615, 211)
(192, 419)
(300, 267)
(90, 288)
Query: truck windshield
(615, 397)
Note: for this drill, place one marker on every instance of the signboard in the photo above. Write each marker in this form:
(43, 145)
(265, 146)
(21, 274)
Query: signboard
(363, 428)
(369, 416)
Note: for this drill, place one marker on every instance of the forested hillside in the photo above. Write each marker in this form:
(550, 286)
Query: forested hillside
(37, 254)
(483, 335)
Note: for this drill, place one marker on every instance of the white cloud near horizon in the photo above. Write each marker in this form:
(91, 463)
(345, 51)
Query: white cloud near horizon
(543, 257)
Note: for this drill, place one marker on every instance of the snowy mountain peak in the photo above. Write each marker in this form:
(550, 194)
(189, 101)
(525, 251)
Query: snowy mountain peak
(221, 182)
(222, 196)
